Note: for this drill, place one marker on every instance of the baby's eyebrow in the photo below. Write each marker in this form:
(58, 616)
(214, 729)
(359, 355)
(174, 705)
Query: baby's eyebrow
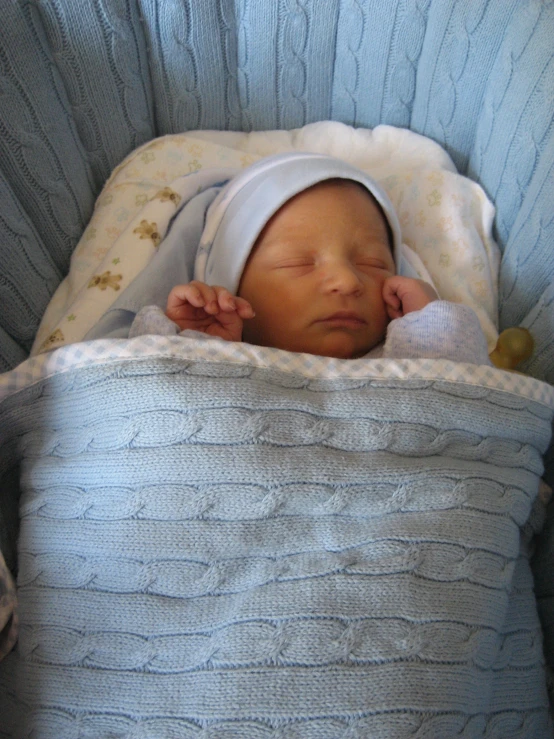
(371, 242)
(287, 242)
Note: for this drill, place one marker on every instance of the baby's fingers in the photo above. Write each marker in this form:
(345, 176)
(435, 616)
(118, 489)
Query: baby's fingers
(225, 301)
(393, 302)
(194, 293)
(244, 309)
(394, 312)
(390, 294)
(229, 303)
(209, 297)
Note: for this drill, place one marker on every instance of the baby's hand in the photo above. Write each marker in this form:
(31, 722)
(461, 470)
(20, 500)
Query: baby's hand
(403, 295)
(212, 310)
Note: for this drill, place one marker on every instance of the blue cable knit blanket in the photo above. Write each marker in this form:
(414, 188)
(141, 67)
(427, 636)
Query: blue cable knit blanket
(221, 540)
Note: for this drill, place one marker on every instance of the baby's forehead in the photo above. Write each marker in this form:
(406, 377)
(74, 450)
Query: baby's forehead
(325, 188)
(320, 192)
(339, 183)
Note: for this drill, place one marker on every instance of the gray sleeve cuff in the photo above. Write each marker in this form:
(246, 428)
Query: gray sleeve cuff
(152, 320)
(441, 330)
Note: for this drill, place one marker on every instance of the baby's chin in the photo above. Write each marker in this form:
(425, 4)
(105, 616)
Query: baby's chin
(339, 346)
(334, 344)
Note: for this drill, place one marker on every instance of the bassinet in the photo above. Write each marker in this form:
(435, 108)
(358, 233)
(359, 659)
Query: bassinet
(83, 83)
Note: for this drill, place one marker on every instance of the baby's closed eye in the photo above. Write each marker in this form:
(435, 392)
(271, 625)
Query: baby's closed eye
(371, 263)
(295, 263)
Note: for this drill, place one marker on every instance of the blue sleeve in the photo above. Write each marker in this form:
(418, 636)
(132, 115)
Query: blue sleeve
(441, 330)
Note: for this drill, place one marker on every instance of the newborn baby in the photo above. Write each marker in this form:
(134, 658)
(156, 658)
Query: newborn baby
(320, 279)
(303, 252)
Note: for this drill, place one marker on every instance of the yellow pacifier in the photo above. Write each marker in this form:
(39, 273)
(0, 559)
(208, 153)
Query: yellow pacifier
(514, 345)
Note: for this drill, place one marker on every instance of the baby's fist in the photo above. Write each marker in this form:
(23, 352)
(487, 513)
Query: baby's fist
(210, 309)
(403, 295)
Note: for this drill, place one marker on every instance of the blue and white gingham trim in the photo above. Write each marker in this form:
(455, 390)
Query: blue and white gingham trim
(108, 351)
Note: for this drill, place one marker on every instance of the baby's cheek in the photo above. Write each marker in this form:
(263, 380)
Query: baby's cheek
(250, 330)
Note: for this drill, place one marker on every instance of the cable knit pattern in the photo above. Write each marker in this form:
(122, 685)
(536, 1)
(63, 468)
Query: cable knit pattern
(233, 35)
(347, 72)
(39, 147)
(81, 84)
(513, 157)
(406, 48)
(227, 548)
(540, 322)
(448, 105)
(26, 261)
(292, 79)
(109, 43)
(188, 49)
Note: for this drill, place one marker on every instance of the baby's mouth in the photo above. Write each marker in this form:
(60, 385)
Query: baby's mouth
(348, 319)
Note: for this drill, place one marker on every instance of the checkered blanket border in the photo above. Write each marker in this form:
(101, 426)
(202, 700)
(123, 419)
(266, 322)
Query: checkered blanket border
(107, 351)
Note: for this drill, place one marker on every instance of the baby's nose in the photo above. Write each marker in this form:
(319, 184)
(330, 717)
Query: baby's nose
(343, 278)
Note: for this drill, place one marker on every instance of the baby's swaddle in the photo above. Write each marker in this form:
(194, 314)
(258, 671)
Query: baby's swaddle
(223, 537)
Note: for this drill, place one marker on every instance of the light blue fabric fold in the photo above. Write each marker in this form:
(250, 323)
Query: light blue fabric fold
(172, 264)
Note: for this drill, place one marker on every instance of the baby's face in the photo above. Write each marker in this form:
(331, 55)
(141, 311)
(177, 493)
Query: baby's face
(315, 277)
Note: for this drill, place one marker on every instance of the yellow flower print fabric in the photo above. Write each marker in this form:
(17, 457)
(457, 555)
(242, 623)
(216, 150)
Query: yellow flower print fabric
(130, 219)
